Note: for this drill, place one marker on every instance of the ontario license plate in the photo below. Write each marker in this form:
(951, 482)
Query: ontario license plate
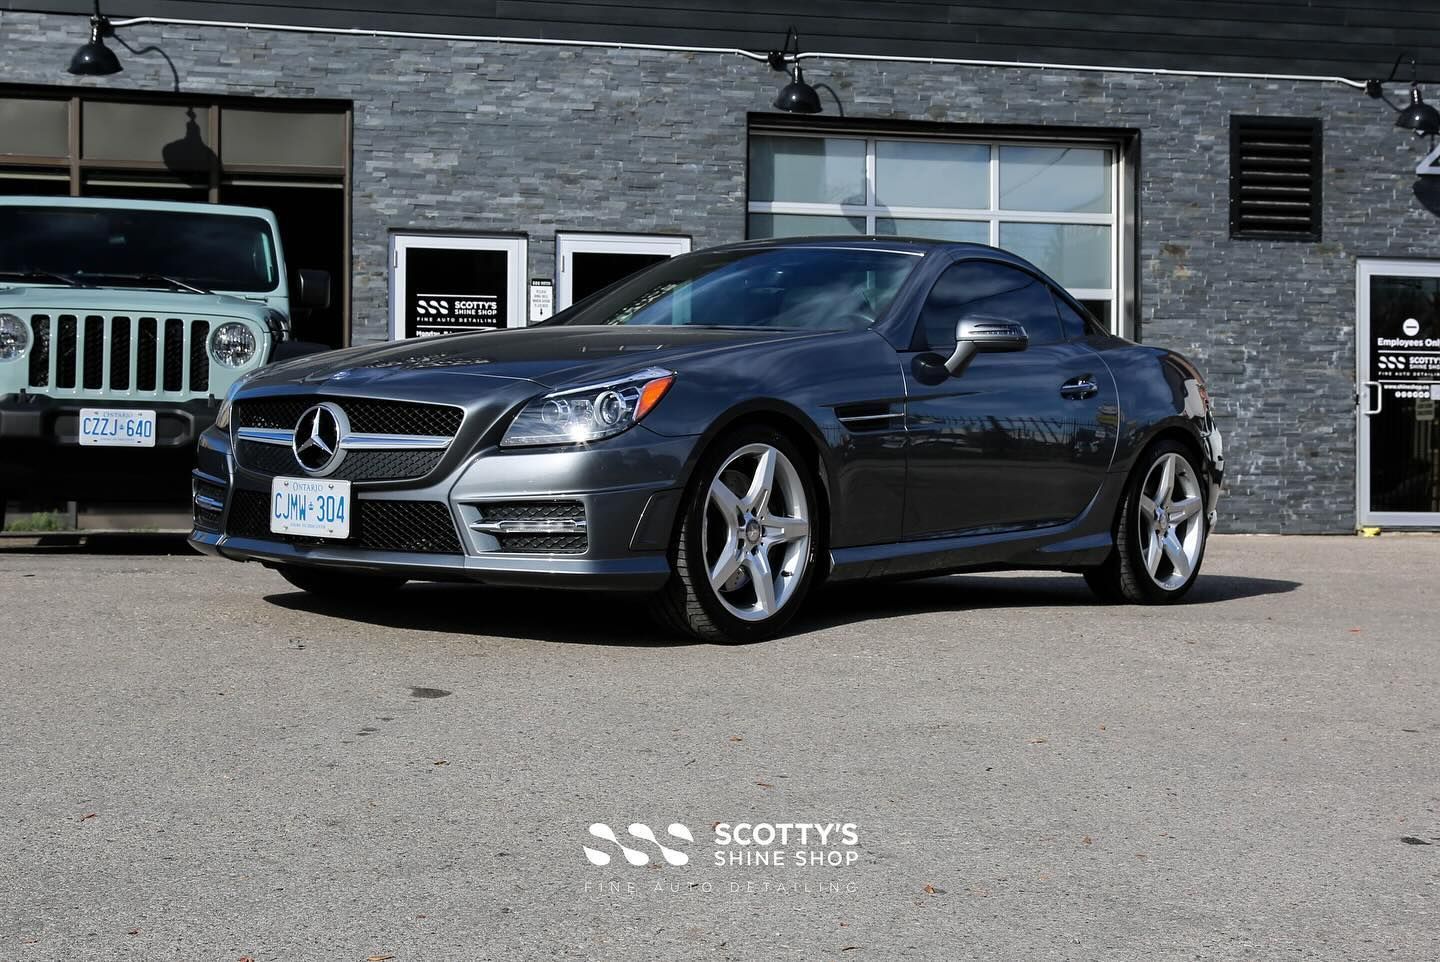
(109, 427)
(313, 507)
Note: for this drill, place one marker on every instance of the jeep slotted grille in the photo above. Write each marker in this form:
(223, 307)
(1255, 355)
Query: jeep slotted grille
(92, 354)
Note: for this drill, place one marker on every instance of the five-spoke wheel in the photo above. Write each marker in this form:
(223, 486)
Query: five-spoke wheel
(744, 552)
(1159, 533)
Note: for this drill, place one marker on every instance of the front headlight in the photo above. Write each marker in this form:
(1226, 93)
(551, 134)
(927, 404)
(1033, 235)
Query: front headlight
(589, 413)
(14, 337)
(232, 345)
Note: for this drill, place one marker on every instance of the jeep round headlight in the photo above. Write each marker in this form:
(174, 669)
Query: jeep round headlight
(14, 337)
(232, 345)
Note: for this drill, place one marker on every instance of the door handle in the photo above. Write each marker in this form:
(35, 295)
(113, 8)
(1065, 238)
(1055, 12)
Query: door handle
(1079, 388)
(1379, 398)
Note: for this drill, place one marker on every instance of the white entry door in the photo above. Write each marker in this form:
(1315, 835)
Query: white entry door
(1398, 354)
(446, 284)
(586, 263)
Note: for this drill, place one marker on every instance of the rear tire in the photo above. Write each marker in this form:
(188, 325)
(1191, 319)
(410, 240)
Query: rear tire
(339, 585)
(744, 552)
(1160, 531)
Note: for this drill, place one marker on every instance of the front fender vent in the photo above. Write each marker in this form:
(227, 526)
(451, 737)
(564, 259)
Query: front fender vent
(867, 418)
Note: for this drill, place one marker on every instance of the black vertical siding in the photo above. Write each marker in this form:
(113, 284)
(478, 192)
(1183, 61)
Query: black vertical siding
(1355, 39)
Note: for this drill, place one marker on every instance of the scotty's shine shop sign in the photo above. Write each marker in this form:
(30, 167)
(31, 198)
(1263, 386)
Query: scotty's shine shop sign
(432, 314)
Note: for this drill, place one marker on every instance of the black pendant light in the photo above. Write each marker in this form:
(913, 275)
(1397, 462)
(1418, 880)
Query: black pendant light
(796, 97)
(1419, 116)
(93, 58)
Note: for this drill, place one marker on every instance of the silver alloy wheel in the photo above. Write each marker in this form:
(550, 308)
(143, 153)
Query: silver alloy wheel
(756, 532)
(1171, 522)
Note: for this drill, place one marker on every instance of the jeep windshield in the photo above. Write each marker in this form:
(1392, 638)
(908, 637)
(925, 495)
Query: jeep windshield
(137, 248)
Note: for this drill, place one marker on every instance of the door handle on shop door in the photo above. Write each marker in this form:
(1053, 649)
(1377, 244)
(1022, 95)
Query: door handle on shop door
(1079, 388)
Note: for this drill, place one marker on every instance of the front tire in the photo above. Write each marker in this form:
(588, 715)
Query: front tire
(1160, 532)
(744, 552)
(338, 585)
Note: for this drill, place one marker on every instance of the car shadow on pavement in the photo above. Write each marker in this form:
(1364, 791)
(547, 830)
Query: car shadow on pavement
(561, 616)
(860, 601)
(587, 618)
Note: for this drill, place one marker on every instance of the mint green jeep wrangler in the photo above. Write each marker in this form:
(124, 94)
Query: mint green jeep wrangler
(122, 325)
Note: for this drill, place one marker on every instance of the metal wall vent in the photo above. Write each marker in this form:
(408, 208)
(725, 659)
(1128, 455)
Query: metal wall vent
(1276, 171)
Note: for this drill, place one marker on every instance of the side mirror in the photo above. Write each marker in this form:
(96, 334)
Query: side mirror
(312, 289)
(984, 335)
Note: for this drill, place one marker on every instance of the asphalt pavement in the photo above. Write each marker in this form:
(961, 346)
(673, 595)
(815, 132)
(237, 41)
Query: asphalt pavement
(199, 763)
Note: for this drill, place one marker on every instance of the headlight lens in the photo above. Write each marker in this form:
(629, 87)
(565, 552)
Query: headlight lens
(232, 345)
(589, 413)
(14, 337)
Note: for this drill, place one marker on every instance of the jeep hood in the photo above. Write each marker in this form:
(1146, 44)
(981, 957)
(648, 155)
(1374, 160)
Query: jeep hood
(140, 301)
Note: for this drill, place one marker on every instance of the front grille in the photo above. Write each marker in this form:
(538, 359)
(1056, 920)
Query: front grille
(94, 354)
(418, 527)
(205, 517)
(366, 416)
(400, 465)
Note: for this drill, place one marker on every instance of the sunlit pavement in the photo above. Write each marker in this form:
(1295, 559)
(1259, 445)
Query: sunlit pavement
(200, 763)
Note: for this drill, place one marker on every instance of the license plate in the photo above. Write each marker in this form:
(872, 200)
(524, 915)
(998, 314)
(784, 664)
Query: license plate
(109, 427)
(313, 507)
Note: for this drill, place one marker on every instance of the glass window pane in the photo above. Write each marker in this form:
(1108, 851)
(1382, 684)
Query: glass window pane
(286, 137)
(173, 133)
(1102, 311)
(810, 170)
(960, 231)
(802, 225)
(1071, 180)
(1076, 255)
(34, 128)
(985, 289)
(916, 174)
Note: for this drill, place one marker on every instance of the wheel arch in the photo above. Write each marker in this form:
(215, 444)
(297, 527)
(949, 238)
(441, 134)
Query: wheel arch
(794, 425)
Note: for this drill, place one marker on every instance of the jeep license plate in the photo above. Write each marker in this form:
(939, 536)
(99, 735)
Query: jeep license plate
(312, 507)
(110, 427)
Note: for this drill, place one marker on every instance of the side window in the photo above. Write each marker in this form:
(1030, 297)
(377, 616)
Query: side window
(988, 289)
(1072, 323)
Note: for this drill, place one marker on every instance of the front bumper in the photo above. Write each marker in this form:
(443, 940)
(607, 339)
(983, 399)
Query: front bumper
(629, 487)
(41, 456)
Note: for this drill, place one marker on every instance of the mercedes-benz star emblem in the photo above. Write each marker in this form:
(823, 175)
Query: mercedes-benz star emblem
(318, 437)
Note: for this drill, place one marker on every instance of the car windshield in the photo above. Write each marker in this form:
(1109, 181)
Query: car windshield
(800, 288)
(141, 248)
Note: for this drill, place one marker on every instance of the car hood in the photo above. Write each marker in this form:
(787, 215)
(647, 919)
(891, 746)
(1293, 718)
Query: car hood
(552, 357)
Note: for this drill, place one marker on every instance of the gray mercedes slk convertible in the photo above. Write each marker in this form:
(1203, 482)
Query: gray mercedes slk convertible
(725, 430)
